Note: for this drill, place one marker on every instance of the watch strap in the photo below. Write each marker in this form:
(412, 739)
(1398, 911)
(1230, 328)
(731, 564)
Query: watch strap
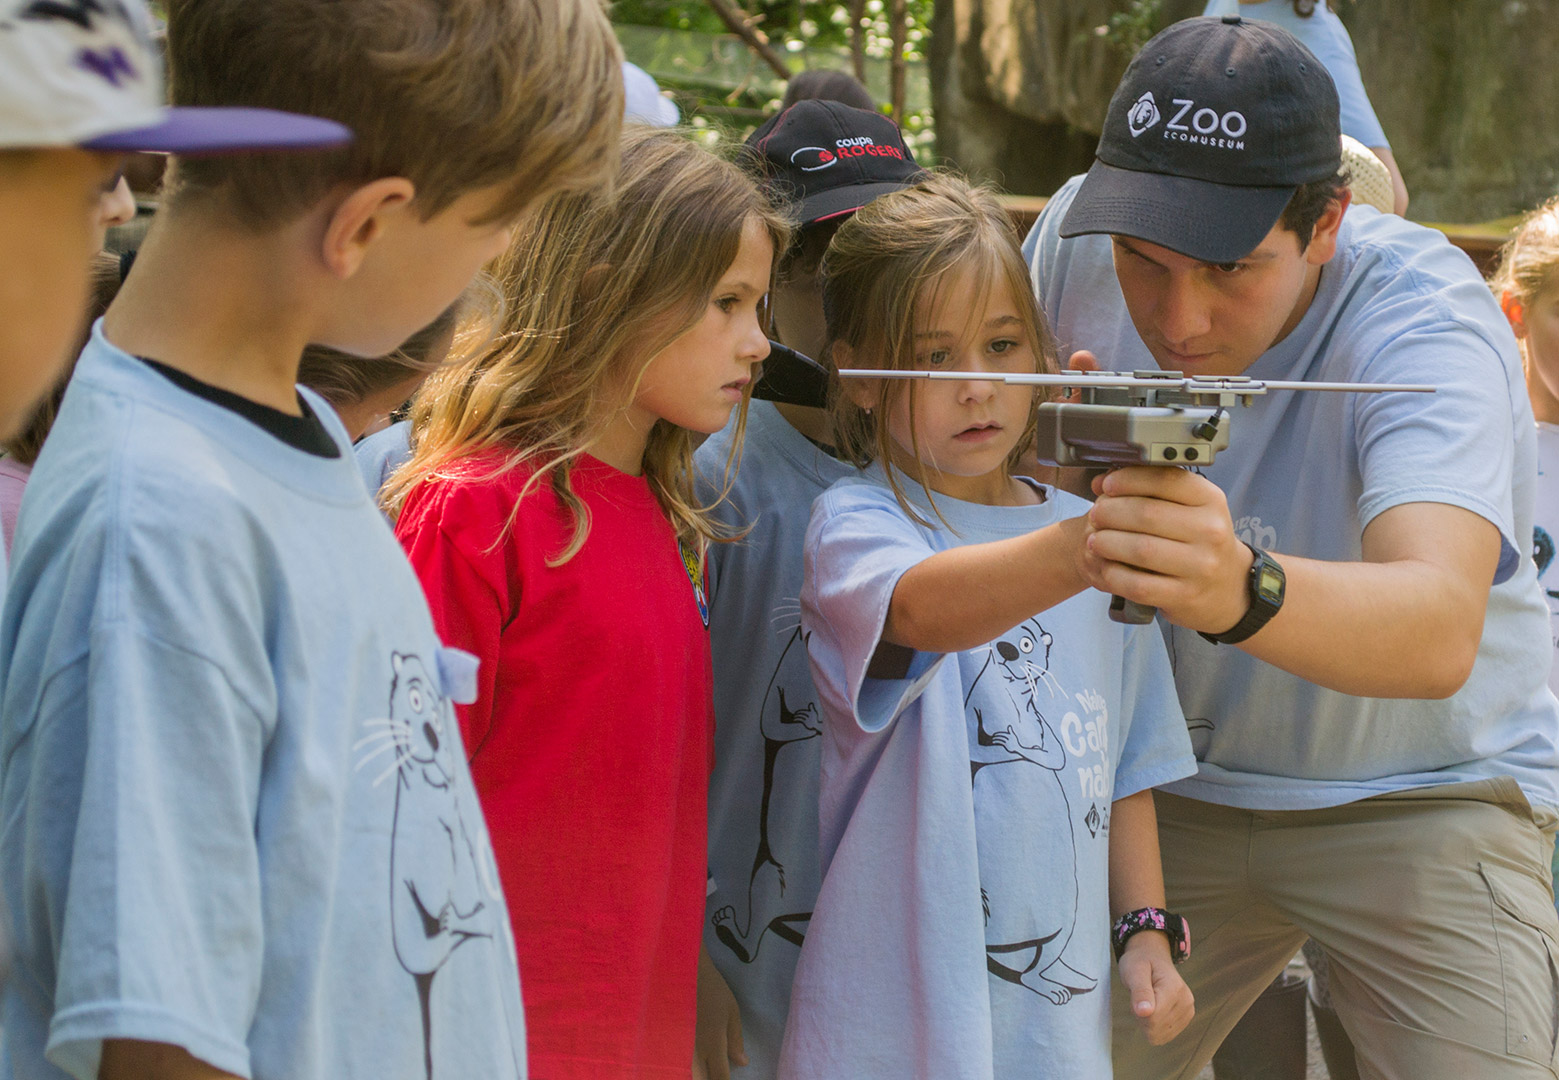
(1172, 926)
(1262, 606)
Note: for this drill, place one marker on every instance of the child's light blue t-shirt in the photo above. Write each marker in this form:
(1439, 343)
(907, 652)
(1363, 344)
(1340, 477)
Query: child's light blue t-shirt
(763, 790)
(962, 927)
(237, 816)
(1323, 33)
(381, 453)
(1306, 473)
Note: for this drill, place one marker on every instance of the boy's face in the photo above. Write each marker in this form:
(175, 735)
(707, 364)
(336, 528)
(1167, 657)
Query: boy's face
(798, 294)
(1217, 319)
(414, 270)
(49, 212)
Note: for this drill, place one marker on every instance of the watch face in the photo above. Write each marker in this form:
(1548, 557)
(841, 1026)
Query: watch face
(1269, 584)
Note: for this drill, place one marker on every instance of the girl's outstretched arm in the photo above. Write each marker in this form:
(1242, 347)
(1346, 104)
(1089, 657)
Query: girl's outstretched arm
(963, 597)
(1160, 999)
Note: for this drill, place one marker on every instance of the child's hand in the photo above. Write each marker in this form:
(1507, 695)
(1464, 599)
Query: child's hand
(1160, 999)
(717, 1042)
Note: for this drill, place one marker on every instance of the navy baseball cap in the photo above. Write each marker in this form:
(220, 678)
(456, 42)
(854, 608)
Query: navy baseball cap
(87, 74)
(1214, 126)
(828, 159)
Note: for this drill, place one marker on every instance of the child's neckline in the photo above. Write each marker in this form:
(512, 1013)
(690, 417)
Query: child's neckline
(1040, 491)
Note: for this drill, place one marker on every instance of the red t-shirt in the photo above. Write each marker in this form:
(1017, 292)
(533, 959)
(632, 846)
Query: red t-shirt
(590, 745)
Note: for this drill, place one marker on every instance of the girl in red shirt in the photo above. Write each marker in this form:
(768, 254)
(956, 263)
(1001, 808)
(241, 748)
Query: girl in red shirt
(548, 509)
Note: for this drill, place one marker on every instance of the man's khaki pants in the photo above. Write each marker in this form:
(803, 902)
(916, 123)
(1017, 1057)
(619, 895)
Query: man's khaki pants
(1435, 908)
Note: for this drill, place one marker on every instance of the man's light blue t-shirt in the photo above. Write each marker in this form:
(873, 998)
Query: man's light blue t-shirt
(763, 790)
(962, 927)
(1323, 33)
(1307, 472)
(237, 816)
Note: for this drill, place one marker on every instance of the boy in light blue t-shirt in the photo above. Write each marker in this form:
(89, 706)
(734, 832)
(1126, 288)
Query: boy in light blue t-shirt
(239, 837)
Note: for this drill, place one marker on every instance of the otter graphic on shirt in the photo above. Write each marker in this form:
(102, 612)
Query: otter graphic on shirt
(1019, 767)
(784, 722)
(437, 899)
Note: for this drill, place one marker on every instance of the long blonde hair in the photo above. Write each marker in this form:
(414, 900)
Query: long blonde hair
(595, 284)
(890, 260)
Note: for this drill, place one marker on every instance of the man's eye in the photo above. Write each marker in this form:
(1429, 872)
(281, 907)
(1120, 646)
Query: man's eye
(1229, 267)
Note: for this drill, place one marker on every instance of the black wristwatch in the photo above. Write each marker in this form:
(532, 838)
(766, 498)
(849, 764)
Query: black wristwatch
(1264, 585)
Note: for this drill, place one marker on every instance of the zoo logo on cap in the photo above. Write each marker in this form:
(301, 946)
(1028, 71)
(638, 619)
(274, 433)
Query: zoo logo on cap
(1206, 127)
(1143, 114)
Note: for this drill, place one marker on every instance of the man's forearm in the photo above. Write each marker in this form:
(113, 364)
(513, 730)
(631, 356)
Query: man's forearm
(1390, 630)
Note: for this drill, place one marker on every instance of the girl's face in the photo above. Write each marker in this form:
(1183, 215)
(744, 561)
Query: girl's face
(1537, 328)
(1539, 332)
(697, 380)
(965, 429)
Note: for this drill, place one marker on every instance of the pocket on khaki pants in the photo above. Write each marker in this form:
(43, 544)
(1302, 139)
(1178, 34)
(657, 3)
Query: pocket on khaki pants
(1527, 935)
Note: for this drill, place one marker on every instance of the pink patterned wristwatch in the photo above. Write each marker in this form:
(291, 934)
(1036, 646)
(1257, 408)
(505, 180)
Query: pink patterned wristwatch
(1173, 927)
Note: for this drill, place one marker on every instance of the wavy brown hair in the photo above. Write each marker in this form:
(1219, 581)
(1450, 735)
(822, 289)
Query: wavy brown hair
(891, 260)
(595, 285)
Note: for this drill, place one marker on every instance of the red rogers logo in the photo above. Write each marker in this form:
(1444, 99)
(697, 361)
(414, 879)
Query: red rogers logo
(814, 158)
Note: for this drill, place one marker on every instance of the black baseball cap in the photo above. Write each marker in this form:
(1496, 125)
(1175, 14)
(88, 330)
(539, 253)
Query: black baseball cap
(1214, 125)
(828, 159)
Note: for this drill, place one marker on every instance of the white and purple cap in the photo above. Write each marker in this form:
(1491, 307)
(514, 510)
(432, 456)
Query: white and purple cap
(84, 73)
(643, 103)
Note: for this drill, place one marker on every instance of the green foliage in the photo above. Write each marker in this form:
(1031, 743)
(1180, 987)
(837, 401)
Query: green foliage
(792, 25)
(1130, 29)
(724, 91)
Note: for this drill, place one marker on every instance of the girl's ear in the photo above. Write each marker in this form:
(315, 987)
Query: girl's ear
(861, 392)
(1515, 312)
(359, 220)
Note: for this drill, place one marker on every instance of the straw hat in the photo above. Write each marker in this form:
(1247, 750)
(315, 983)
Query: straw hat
(1371, 183)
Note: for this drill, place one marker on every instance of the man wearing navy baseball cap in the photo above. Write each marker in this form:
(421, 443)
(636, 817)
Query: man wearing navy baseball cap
(1359, 640)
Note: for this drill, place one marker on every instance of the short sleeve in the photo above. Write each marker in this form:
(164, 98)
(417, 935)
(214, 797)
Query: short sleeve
(1331, 44)
(856, 551)
(161, 937)
(1456, 446)
(1155, 748)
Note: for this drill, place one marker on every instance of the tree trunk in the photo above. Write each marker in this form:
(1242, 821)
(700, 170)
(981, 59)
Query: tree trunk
(754, 38)
(858, 39)
(897, 33)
